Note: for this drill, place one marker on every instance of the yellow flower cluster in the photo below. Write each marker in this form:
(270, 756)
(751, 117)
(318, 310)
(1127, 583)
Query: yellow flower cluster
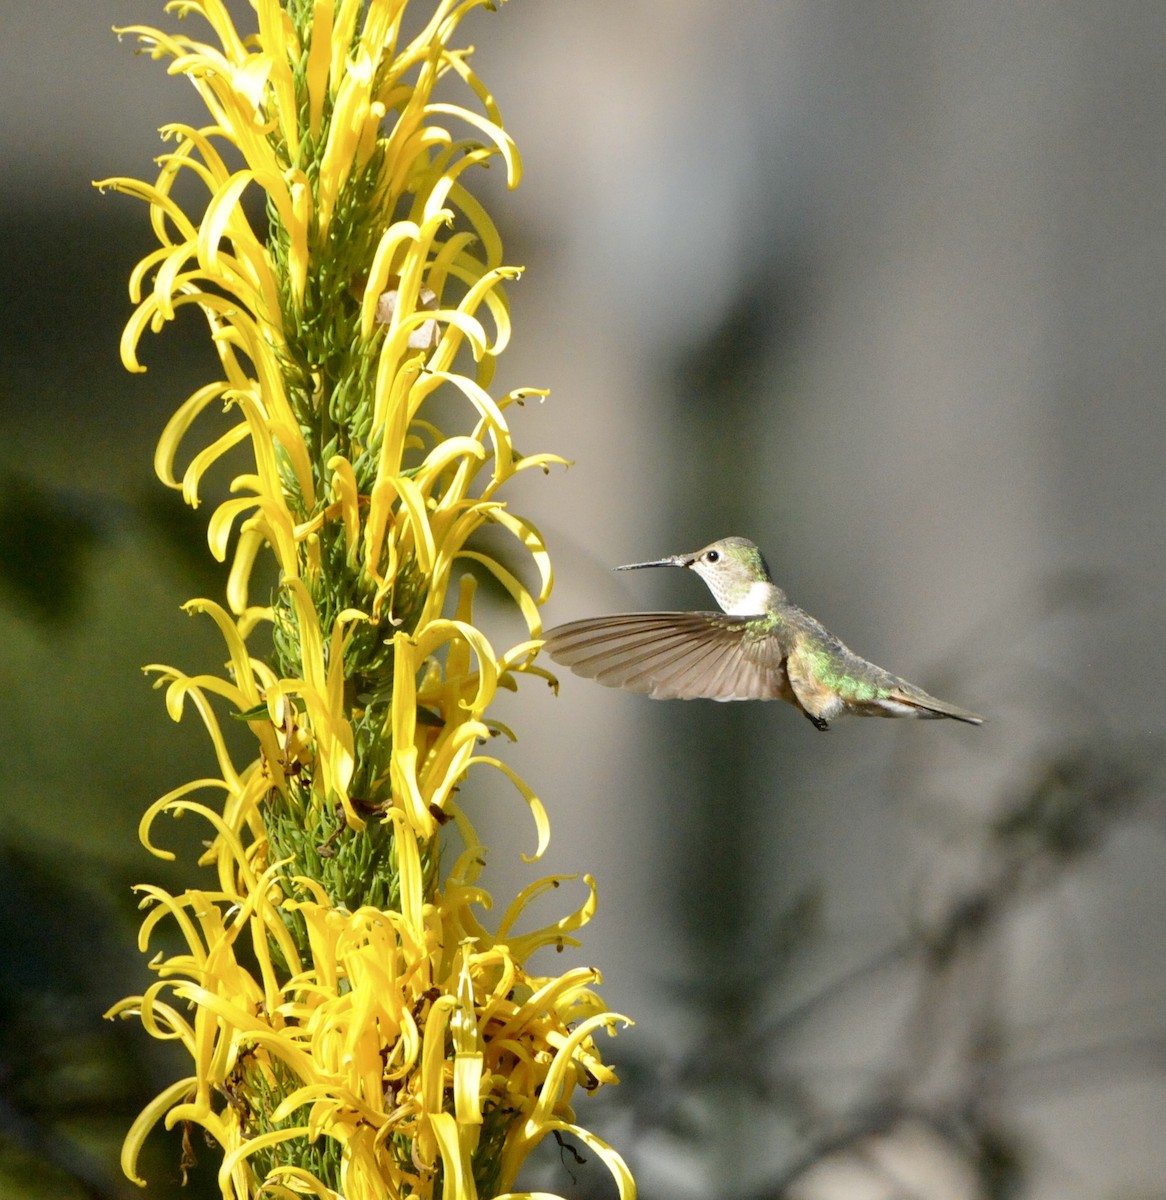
(355, 1030)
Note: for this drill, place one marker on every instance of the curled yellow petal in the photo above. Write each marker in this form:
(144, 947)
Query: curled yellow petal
(145, 1121)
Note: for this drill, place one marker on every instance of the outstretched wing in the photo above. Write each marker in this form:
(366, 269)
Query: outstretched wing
(674, 656)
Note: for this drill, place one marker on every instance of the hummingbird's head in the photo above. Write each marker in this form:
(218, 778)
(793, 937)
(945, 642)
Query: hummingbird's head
(734, 570)
(731, 567)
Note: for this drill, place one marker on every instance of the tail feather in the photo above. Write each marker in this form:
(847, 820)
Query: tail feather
(928, 706)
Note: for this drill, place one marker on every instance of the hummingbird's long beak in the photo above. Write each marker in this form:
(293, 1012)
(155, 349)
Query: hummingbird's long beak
(676, 560)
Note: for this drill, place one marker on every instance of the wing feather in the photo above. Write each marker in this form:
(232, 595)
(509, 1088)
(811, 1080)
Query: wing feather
(669, 656)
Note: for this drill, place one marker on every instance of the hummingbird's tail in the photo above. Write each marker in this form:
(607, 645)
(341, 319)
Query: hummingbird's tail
(928, 707)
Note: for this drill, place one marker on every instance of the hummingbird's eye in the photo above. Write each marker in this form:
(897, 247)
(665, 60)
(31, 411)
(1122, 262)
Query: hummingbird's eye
(712, 556)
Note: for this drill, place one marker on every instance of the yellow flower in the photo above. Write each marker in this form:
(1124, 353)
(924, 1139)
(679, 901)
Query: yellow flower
(355, 1029)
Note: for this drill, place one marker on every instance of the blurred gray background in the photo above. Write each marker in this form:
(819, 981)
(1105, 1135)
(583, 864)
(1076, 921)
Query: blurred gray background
(879, 285)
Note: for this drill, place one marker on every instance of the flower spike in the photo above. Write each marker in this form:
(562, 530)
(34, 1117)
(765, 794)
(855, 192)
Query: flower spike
(355, 1026)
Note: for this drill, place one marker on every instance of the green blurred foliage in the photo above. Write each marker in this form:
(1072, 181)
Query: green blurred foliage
(96, 558)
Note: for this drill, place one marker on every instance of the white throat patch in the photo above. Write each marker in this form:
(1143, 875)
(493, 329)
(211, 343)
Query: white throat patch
(756, 601)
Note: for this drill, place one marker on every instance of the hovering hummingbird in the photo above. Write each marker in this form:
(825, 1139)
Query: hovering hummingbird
(761, 647)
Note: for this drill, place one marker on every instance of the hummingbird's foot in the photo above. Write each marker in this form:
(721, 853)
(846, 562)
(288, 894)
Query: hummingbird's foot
(819, 723)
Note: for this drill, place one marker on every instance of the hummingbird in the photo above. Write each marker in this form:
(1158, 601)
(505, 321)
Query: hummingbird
(760, 647)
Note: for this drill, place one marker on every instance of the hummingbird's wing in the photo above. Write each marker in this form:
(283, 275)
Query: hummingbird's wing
(675, 655)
